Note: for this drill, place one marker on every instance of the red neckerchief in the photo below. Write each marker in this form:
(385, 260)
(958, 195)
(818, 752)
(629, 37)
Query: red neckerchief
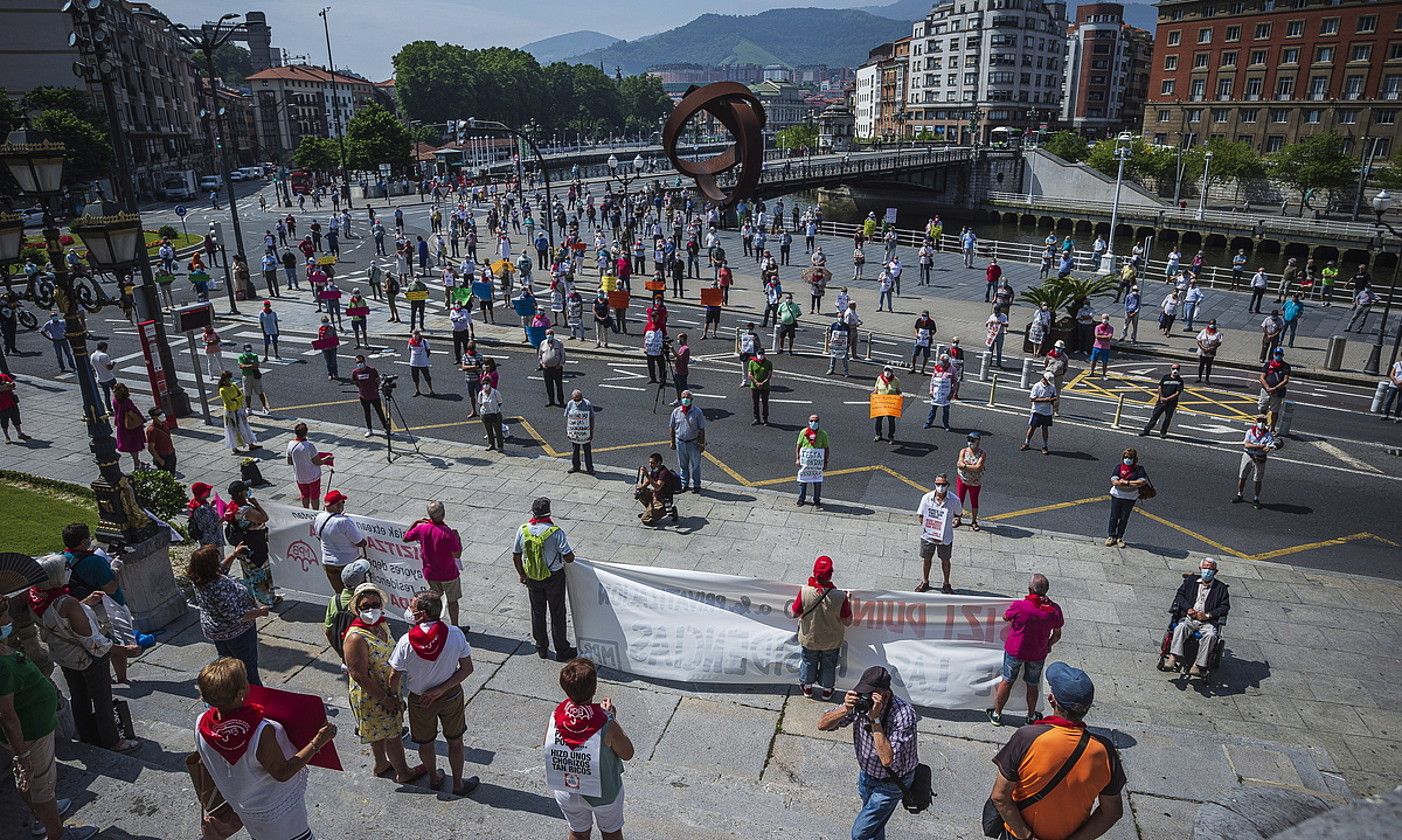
(230, 733)
(415, 342)
(1274, 365)
(323, 331)
(811, 434)
(356, 622)
(428, 644)
(40, 599)
(685, 408)
(820, 585)
(1041, 602)
(1056, 720)
(575, 724)
(534, 520)
(1126, 471)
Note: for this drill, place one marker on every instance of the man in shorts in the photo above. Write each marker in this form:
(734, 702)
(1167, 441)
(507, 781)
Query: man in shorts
(1036, 623)
(1259, 441)
(440, 548)
(1043, 396)
(252, 378)
(306, 463)
(937, 513)
(434, 659)
(1274, 380)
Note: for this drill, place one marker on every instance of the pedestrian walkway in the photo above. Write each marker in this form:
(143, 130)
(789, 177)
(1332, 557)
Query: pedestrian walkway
(1302, 700)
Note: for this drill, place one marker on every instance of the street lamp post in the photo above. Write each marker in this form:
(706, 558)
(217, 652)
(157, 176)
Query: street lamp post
(1122, 154)
(1206, 184)
(626, 179)
(37, 163)
(1382, 202)
(495, 125)
(335, 107)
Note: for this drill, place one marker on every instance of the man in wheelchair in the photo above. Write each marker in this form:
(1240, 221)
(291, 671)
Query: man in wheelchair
(656, 489)
(1197, 616)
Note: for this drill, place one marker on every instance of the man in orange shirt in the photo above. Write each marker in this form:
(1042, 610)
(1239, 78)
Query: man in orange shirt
(1051, 774)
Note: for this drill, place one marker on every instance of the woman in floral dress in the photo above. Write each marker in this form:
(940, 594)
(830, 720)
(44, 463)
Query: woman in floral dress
(374, 686)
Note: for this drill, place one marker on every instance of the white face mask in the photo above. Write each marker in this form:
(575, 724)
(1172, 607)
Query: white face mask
(371, 616)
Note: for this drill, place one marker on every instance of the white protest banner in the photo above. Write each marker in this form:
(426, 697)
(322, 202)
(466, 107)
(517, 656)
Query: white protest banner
(942, 651)
(577, 427)
(395, 566)
(810, 465)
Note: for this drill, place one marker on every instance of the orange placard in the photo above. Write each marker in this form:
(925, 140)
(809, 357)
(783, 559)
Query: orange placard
(887, 405)
(618, 299)
(655, 286)
(712, 297)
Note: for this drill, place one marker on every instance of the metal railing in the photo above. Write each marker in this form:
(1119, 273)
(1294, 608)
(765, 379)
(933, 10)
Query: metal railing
(802, 169)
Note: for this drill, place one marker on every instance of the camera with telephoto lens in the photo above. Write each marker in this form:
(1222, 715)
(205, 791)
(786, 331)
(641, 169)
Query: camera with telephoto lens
(388, 382)
(862, 705)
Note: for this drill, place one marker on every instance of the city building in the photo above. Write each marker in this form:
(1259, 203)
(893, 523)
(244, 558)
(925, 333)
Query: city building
(240, 128)
(865, 92)
(1107, 72)
(156, 86)
(1270, 72)
(295, 101)
(982, 66)
(880, 91)
(835, 129)
(784, 106)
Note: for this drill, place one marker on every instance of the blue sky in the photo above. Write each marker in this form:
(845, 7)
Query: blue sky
(366, 33)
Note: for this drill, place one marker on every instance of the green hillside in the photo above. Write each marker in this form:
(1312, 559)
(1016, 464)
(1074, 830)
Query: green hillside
(839, 37)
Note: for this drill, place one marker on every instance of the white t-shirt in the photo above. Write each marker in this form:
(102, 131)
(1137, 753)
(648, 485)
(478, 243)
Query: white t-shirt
(937, 520)
(1043, 390)
(102, 367)
(1396, 371)
(421, 674)
(338, 535)
(418, 354)
(304, 469)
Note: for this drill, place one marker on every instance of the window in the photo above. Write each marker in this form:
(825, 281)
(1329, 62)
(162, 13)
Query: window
(1164, 115)
(1229, 59)
(1367, 23)
(1194, 115)
(1200, 60)
(1328, 26)
(1257, 57)
(1319, 88)
(1170, 62)
(1160, 138)
(1347, 116)
(1284, 88)
(1280, 115)
(1290, 55)
(1224, 89)
(1253, 89)
(1361, 52)
(1353, 87)
(1175, 38)
(970, 78)
(1205, 36)
(1322, 54)
(1219, 115)
(1248, 115)
(1263, 31)
(1394, 51)
(1274, 143)
(1312, 116)
(1197, 89)
(1100, 64)
(1392, 87)
(1166, 89)
(1233, 33)
(1385, 116)
(1295, 29)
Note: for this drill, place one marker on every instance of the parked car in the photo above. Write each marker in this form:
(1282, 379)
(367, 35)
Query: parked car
(210, 182)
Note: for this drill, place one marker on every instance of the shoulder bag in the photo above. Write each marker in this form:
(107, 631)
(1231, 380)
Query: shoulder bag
(993, 821)
(919, 795)
(1148, 491)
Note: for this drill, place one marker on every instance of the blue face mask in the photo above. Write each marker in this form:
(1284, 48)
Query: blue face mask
(1207, 574)
(5, 631)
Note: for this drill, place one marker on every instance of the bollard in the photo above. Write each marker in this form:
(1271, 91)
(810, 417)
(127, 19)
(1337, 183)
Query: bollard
(774, 337)
(1287, 414)
(868, 355)
(1380, 396)
(993, 389)
(1025, 381)
(985, 360)
(1119, 410)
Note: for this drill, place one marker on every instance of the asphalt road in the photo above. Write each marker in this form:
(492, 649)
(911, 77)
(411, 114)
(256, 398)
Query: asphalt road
(1329, 495)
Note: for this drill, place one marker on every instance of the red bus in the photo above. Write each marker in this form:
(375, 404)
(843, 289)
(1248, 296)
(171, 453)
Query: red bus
(301, 182)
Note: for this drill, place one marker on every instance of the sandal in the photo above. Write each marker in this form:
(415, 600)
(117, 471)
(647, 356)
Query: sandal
(922, 586)
(468, 786)
(381, 771)
(436, 780)
(975, 527)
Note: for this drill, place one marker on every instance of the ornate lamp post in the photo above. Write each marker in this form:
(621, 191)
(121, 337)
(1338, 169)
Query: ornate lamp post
(625, 179)
(1123, 153)
(1206, 184)
(495, 125)
(37, 163)
(1382, 202)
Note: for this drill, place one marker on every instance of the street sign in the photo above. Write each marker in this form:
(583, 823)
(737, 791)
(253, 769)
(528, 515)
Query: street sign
(385, 170)
(195, 316)
(181, 210)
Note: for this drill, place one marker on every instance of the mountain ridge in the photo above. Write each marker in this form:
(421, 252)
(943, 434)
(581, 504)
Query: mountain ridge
(568, 44)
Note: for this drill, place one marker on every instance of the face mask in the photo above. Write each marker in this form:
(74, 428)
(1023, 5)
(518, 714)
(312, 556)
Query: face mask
(1128, 462)
(941, 489)
(360, 366)
(371, 616)
(1207, 574)
(5, 631)
(686, 401)
(813, 424)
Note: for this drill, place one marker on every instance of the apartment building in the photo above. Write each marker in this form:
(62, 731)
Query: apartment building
(980, 65)
(1269, 72)
(296, 100)
(1108, 63)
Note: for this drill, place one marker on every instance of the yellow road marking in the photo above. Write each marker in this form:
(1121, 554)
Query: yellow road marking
(1194, 534)
(848, 471)
(1281, 552)
(315, 405)
(727, 470)
(1043, 509)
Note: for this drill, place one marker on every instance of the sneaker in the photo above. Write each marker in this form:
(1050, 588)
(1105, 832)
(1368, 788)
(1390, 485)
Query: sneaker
(1120, 542)
(1256, 503)
(995, 718)
(1109, 540)
(807, 690)
(368, 433)
(1237, 499)
(37, 828)
(1033, 717)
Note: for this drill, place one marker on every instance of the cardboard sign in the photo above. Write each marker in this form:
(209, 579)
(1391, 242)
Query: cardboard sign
(330, 294)
(712, 297)
(655, 286)
(837, 342)
(199, 277)
(577, 427)
(166, 279)
(326, 260)
(573, 769)
(887, 405)
(608, 282)
(811, 461)
(482, 290)
(301, 715)
(524, 306)
(357, 311)
(619, 299)
(328, 343)
(423, 295)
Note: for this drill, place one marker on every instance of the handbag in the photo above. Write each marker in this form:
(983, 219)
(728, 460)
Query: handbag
(1148, 491)
(993, 821)
(919, 795)
(131, 420)
(218, 818)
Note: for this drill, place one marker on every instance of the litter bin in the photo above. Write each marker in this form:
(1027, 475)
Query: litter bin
(1334, 352)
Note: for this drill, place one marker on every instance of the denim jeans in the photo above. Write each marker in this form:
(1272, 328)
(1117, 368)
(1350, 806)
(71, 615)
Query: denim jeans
(689, 463)
(1190, 311)
(996, 349)
(879, 799)
(63, 351)
(818, 666)
(243, 647)
(1290, 328)
(1120, 509)
(832, 363)
(944, 420)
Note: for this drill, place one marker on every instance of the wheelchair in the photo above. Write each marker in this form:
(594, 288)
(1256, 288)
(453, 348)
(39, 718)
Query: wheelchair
(1190, 649)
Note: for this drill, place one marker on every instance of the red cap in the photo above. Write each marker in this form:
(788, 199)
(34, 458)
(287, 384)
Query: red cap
(333, 497)
(822, 567)
(200, 490)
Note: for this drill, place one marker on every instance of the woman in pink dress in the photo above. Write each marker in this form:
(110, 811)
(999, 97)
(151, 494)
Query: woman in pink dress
(128, 423)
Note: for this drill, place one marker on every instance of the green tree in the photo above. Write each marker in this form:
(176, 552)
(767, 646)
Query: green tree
(233, 63)
(375, 136)
(1314, 163)
(1231, 161)
(315, 154)
(434, 82)
(72, 100)
(644, 101)
(798, 136)
(89, 152)
(11, 116)
(1068, 145)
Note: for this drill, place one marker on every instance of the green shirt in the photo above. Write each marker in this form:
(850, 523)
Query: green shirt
(248, 365)
(34, 696)
(760, 374)
(789, 312)
(820, 440)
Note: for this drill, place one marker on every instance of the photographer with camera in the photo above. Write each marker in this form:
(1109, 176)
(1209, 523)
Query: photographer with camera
(368, 383)
(883, 733)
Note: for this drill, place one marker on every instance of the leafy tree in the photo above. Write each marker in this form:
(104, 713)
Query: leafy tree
(1068, 145)
(315, 154)
(375, 136)
(643, 101)
(1389, 177)
(233, 63)
(11, 116)
(1313, 163)
(1231, 161)
(797, 137)
(89, 152)
(434, 81)
(72, 100)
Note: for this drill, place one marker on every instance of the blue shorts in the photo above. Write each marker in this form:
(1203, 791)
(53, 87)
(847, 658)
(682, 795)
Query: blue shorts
(1031, 671)
(1099, 354)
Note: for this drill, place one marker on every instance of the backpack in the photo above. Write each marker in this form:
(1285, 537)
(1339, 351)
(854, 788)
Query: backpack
(533, 552)
(340, 624)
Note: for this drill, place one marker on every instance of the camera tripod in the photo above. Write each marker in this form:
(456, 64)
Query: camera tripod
(392, 410)
(667, 371)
